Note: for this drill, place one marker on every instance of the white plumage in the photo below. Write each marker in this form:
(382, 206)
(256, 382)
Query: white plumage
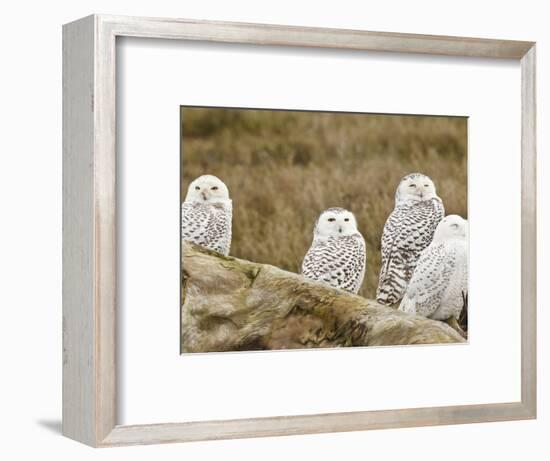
(408, 230)
(439, 285)
(206, 214)
(337, 255)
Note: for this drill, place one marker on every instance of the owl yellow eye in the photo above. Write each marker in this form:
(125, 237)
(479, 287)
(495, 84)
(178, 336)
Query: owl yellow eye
(412, 185)
(426, 185)
(214, 188)
(346, 219)
(332, 219)
(197, 188)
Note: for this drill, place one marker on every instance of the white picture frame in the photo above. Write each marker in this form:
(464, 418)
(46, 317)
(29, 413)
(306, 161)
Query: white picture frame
(89, 230)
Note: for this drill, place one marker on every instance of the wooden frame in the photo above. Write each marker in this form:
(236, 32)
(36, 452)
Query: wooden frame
(89, 220)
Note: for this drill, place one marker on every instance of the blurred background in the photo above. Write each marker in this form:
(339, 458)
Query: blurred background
(283, 168)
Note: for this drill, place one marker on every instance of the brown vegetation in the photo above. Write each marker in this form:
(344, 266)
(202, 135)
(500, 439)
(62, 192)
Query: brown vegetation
(283, 168)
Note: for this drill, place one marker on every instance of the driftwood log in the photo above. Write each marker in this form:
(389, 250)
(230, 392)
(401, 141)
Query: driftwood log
(234, 305)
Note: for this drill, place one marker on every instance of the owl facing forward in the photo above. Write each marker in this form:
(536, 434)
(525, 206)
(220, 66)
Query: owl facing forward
(439, 285)
(206, 214)
(408, 230)
(337, 255)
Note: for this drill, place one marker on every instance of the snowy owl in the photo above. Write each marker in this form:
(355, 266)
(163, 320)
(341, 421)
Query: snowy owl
(408, 230)
(337, 255)
(439, 285)
(206, 214)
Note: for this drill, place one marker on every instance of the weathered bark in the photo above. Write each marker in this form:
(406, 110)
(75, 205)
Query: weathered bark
(234, 305)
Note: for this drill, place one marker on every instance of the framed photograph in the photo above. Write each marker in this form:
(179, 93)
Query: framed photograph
(287, 189)
(274, 230)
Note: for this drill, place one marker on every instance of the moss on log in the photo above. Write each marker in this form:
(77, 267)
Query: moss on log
(234, 305)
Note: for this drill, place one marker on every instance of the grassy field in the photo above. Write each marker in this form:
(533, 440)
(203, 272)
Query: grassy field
(283, 168)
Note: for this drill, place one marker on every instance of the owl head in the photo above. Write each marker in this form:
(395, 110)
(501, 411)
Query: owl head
(335, 222)
(207, 189)
(451, 227)
(415, 186)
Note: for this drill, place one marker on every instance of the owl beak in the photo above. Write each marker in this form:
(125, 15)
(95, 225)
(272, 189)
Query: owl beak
(340, 229)
(203, 196)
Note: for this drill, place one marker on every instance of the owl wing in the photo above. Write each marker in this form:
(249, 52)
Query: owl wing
(195, 221)
(408, 230)
(358, 263)
(429, 281)
(207, 225)
(337, 262)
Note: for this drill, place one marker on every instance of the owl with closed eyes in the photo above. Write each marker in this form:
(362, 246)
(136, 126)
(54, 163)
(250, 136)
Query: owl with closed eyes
(337, 255)
(409, 229)
(206, 214)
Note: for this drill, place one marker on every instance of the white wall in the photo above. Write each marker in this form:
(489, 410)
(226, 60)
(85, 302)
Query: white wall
(30, 243)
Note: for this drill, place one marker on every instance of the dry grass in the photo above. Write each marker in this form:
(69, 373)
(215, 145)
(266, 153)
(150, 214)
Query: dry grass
(283, 168)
